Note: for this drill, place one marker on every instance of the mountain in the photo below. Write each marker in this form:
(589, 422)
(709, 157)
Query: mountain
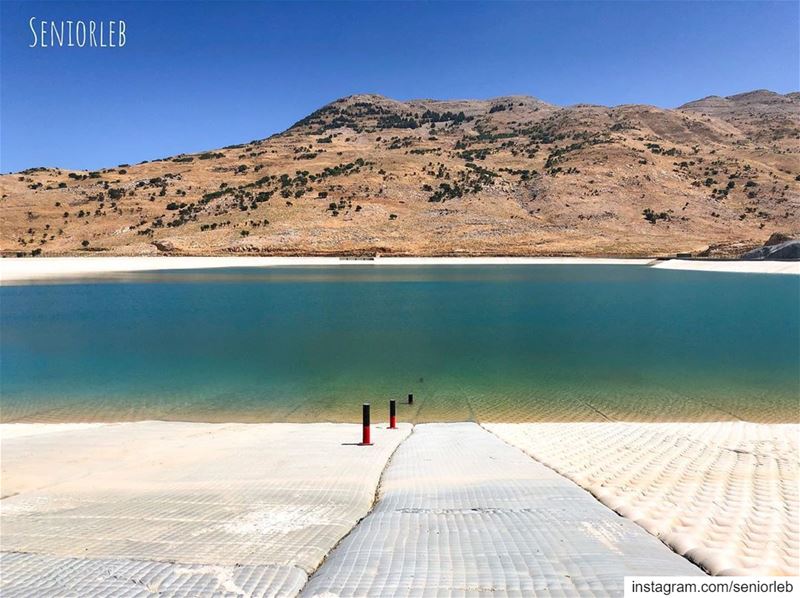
(507, 176)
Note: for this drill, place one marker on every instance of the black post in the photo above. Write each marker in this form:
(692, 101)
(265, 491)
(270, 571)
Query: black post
(365, 437)
(410, 399)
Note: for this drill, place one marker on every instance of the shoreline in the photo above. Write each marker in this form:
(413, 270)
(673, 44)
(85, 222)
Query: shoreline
(679, 483)
(284, 504)
(13, 270)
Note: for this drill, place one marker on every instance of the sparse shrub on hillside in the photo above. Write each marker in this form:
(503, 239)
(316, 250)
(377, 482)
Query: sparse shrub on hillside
(499, 108)
(476, 154)
(395, 121)
(446, 191)
(653, 217)
(430, 116)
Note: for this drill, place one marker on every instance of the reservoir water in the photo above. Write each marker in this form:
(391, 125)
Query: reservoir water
(485, 343)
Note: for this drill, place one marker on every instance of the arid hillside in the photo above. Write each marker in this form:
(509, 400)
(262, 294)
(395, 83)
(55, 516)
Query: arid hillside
(508, 176)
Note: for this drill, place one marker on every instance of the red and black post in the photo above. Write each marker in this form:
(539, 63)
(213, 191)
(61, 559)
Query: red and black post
(392, 414)
(365, 437)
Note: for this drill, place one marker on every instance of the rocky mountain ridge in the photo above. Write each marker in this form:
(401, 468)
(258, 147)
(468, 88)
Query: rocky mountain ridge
(508, 176)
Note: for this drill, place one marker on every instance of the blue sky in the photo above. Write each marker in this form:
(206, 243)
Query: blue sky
(196, 76)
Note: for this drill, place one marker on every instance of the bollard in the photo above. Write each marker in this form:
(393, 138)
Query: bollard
(410, 399)
(392, 414)
(365, 438)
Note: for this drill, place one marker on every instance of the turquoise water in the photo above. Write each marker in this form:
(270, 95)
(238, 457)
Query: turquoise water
(503, 343)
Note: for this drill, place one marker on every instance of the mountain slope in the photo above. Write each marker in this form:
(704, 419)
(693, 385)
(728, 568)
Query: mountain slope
(507, 176)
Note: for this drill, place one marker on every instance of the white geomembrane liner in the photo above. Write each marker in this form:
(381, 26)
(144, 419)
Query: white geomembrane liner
(153, 499)
(724, 494)
(26, 575)
(25, 269)
(461, 513)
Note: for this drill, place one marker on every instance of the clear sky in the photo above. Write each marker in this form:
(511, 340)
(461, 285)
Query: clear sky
(195, 76)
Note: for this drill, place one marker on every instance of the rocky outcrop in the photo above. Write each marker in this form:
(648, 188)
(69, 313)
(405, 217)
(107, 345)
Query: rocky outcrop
(788, 250)
(164, 246)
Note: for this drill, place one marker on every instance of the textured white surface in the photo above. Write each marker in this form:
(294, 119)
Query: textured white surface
(22, 269)
(725, 494)
(461, 513)
(27, 575)
(741, 266)
(224, 494)
(40, 268)
(8, 431)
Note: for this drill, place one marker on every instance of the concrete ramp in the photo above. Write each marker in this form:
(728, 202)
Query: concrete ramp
(461, 513)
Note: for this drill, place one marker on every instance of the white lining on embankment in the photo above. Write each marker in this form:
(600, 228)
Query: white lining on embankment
(453, 478)
(723, 494)
(178, 507)
(735, 266)
(29, 269)
(254, 508)
(460, 512)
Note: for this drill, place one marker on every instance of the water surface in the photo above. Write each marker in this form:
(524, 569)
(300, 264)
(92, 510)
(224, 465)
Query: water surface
(492, 343)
